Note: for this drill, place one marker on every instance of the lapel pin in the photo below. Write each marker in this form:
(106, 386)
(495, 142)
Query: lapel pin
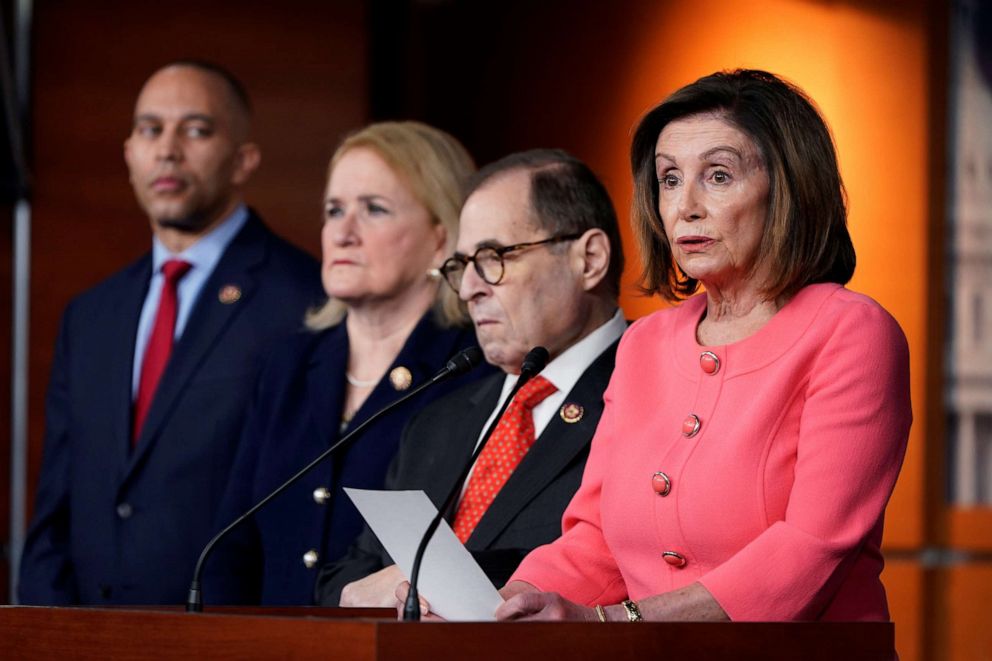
(571, 412)
(229, 294)
(401, 378)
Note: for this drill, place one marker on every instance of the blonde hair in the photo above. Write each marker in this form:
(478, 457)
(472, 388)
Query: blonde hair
(435, 166)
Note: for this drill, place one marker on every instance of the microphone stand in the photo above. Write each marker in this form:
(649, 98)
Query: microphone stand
(459, 364)
(534, 362)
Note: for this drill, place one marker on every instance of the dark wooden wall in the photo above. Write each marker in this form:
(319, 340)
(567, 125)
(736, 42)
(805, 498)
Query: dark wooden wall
(506, 75)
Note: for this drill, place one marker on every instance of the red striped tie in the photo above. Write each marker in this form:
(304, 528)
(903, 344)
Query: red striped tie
(513, 437)
(159, 343)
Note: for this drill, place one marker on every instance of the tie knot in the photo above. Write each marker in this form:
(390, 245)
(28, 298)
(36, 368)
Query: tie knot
(174, 269)
(535, 391)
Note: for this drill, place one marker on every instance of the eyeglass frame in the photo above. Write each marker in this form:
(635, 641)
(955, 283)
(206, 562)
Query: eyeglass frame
(500, 252)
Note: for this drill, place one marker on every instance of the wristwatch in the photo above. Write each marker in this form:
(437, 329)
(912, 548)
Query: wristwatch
(633, 612)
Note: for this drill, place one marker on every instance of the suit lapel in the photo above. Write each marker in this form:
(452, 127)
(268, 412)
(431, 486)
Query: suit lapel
(325, 387)
(120, 336)
(207, 323)
(557, 445)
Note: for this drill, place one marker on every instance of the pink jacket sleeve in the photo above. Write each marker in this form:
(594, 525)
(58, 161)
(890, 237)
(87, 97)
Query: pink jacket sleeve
(852, 439)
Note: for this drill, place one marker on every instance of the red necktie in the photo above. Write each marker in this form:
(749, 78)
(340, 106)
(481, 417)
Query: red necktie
(159, 343)
(510, 442)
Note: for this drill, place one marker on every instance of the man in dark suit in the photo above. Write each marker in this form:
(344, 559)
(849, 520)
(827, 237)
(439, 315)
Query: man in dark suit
(539, 262)
(153, 367)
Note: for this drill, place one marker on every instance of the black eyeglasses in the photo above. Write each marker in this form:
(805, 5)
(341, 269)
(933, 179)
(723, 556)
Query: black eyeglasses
(488, 261)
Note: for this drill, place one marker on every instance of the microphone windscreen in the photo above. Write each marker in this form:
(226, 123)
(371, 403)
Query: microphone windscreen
(464, 361)
(534, 361)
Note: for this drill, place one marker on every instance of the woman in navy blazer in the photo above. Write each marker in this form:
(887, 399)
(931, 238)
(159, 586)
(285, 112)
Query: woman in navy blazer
(390, 219)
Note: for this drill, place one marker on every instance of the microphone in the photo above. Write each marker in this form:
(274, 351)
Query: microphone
(462, 362)
(533, 363)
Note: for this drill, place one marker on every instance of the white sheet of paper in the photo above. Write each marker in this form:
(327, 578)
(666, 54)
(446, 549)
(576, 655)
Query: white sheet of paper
(450, 579)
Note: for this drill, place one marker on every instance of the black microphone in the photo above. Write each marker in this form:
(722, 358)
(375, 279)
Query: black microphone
(461, 363)
(534, 362)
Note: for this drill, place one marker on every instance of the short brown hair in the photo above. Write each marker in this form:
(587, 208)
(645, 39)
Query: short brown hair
(436, 167)
(805, 236)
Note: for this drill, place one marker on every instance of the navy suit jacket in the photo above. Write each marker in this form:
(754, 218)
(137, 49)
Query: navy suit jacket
(114, 525)
(296, 416)
(526, 512)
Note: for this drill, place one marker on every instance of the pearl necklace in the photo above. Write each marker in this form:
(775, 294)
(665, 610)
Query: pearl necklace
(358, 383)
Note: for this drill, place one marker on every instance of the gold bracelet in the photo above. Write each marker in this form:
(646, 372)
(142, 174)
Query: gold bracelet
(600, 613)
(633, 612)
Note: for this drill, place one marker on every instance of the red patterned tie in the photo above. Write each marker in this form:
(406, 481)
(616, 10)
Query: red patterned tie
(159, 343)
(510, 442)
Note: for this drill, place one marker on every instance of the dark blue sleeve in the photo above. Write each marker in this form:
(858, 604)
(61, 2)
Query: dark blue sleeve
(46, 572)
(233, 572)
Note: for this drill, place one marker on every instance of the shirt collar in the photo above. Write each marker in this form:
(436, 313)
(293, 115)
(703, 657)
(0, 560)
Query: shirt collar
(566, 369)
(207, 250)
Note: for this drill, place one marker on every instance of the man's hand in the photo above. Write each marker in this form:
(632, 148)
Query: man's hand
(376, 590)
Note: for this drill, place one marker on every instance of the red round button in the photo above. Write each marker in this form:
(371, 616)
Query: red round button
(674, 559)
(661, 484)
(709, 362)
(691, 425)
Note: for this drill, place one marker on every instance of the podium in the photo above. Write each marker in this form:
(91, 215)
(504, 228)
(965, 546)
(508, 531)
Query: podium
(373, 634)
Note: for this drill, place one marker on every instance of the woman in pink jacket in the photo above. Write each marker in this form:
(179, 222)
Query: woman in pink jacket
(753, 434)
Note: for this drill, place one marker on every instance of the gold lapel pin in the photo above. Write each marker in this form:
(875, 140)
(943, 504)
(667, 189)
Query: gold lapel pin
(571, 412)
(229, 294)
(401, 378)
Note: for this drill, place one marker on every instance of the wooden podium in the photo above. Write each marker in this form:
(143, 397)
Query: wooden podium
(343, 633)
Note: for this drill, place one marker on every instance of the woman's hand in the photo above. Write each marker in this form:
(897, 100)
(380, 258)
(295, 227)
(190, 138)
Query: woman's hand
(514, 588)
(534, 605)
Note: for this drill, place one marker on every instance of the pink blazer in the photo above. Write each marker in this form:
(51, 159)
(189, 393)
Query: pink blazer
(775, 503)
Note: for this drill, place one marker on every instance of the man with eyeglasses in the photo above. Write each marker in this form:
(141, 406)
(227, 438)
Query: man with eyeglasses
(538, 263)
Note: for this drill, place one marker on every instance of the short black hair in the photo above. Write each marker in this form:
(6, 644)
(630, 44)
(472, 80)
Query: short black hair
(237, 89)
(566, 197)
